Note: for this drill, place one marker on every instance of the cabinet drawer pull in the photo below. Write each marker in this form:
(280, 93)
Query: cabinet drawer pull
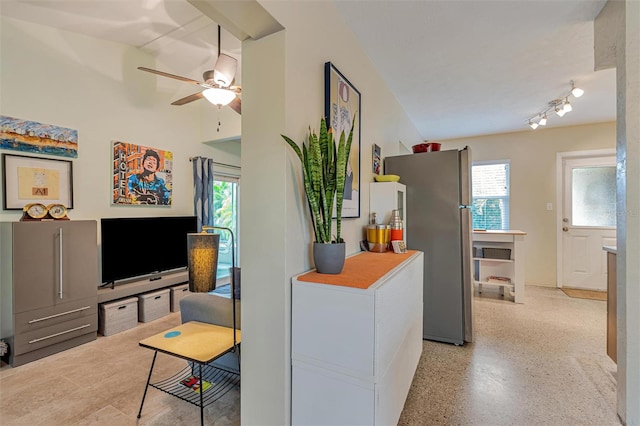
(60, 267)
(59, 334)
(59, 315)
(122, 307)
(157, 297)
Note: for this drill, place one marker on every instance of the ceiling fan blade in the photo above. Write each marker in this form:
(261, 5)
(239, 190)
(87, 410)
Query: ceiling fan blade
(236, 105)
(188, 99)
(166, 74)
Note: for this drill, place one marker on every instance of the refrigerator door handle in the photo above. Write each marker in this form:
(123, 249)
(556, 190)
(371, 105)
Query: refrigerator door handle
(464, 206)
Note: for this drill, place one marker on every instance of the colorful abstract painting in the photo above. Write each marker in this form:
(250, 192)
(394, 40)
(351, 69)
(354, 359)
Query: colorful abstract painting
(37, 138)
(141, 175)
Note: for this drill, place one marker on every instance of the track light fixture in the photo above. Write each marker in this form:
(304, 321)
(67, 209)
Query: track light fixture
(576, 91)
(560, 106)
(543, 120)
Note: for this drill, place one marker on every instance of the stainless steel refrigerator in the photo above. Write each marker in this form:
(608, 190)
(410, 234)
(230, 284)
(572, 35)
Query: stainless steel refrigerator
(438, 198)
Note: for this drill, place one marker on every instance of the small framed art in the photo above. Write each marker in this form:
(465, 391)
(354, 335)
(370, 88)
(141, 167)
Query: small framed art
(36, 180)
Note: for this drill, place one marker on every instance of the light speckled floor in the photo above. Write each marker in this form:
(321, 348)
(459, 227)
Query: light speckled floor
(539, 363)
(543, 362)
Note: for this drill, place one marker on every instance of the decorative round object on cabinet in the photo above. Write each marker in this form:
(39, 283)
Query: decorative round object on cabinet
(57, 211)
(34, 211)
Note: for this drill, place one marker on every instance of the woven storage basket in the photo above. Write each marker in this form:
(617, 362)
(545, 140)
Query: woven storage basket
(177, 293)
(152, 306)
(496, 253)
(117, 316)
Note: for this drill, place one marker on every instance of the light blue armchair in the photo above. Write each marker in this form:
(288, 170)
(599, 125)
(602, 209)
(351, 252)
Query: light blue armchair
(214, 308)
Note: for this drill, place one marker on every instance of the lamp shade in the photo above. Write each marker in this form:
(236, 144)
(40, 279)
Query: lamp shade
(543, 120)
(224, 70)
(577, 92)
(203, 261)
(220, 97)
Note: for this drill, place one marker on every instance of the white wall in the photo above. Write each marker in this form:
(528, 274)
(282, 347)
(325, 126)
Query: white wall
(283, 93)
(532, 155)
(65, 79)
(61, 78)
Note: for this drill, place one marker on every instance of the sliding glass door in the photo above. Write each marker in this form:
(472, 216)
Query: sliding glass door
(226, 213)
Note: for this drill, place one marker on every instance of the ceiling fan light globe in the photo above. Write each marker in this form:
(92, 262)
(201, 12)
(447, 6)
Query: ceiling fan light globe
(219, 97)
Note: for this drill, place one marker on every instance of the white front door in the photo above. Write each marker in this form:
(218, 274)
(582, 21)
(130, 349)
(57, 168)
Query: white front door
(588, 220)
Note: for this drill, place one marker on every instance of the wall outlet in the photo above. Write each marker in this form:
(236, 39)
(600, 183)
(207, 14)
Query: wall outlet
(549, 206)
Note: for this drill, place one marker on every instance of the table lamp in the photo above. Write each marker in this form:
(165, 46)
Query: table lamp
(202, 252)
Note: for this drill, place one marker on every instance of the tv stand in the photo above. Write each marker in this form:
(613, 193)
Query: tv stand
(145, 285)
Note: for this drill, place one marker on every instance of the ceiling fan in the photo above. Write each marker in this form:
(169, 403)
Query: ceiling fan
(217, 82)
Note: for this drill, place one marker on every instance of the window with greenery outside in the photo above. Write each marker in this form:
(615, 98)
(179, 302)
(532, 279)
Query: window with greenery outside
(490, 195)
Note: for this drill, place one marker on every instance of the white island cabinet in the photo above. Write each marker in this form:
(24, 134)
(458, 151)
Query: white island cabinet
(356, 340)
(511, 267)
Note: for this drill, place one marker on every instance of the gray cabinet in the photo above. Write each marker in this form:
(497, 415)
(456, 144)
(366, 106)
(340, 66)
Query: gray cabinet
(50, 272)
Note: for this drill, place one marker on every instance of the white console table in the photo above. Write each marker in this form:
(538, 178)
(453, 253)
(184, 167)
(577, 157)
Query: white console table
(356, 340)
(512, 268)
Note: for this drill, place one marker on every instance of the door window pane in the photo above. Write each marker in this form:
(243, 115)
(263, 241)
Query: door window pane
(593, 201)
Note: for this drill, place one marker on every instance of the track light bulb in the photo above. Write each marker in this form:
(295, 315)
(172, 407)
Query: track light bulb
(560, 112)
(567, 106)
(543, 120)
(533, 124)
(577, 92)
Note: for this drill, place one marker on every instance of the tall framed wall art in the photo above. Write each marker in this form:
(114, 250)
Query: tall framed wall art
(342, 104)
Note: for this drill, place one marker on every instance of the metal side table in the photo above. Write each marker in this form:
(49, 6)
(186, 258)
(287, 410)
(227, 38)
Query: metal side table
(199, 344)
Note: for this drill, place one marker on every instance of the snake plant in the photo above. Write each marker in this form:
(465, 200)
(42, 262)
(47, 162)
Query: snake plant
(324, 170)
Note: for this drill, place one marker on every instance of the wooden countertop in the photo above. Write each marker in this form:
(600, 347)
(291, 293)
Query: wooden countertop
(499, 232)
(361, 270)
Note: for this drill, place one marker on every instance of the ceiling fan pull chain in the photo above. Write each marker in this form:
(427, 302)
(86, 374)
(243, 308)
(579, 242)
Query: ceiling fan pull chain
(219, 119)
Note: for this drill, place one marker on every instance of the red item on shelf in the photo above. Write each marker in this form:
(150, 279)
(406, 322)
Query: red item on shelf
(396, 234)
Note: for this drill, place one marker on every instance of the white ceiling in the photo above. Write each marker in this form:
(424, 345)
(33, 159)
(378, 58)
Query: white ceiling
(458, 68)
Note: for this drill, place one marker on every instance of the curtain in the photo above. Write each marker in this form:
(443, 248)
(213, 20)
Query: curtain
(203, 190)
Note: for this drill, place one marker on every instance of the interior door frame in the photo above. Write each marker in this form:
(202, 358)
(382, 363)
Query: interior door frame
(560, 157)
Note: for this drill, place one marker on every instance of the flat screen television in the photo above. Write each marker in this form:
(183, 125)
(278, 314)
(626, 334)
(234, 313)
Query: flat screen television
(139, 246)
